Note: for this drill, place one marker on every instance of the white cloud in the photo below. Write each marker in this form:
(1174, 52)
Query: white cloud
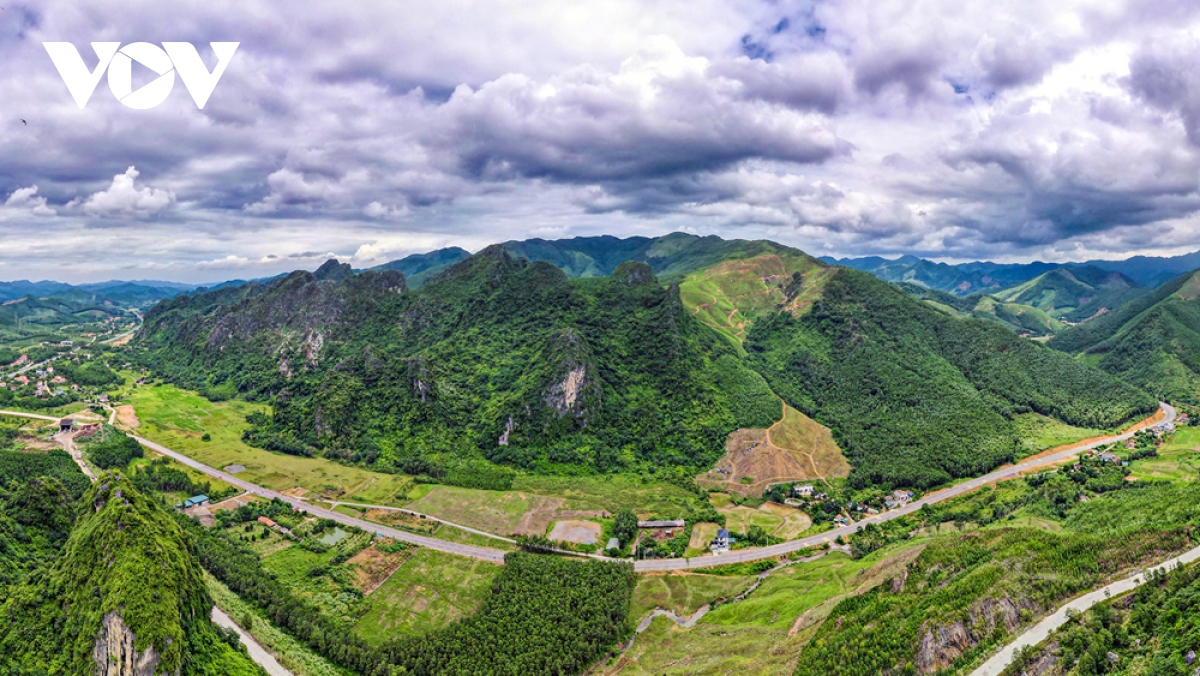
(948, 127)
(27, 200)
(124, 198)
(381, 211)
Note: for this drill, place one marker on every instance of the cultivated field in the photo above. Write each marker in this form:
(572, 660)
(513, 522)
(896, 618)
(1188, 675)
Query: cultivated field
(778, 520)
(429, 591)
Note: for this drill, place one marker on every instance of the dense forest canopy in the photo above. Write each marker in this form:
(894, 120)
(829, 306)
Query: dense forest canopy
(1152, 342)
(495, 358)
(916, 397)
(80, 588)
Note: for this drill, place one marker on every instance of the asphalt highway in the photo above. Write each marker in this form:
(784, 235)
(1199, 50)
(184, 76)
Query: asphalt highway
(738, 556)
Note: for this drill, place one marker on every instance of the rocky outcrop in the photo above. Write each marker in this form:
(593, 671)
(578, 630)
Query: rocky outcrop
(115, 651)
(418, 374)
(508, 429)
(566, 393)
(942, 644)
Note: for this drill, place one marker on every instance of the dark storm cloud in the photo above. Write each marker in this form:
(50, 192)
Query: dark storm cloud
(976, 129)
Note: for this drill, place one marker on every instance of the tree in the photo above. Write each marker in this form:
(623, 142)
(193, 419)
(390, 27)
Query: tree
(625, 526)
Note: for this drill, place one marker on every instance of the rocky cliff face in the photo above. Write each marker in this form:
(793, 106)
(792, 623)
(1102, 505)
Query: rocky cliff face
(942, 644)
(115, 652)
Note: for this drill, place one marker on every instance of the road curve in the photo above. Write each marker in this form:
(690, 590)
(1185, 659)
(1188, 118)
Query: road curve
(484, 553)
(1042, 630)
(739, 556)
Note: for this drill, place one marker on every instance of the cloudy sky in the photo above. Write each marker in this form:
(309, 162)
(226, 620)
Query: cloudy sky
(954, 129)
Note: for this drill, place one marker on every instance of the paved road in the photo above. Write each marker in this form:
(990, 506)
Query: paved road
(484, 553)
(1008, 472)
(444, 522)
(739, 556)
(257, 653)
(1042, 630)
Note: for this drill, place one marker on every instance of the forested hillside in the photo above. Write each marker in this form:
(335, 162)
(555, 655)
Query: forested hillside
(1075, 294)
(916, 397)
(1152, 342)
(964, 279)
(495, 358)
(1016, 317)
(80, 601)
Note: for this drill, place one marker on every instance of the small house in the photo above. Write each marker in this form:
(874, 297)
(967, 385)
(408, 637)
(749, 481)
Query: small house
(613, 545)
(721, 542)
(802, 491)
(194, 501)
(66, 425)
(102, 398)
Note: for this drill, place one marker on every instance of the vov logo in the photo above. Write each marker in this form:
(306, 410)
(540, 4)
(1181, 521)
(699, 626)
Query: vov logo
(166, 61)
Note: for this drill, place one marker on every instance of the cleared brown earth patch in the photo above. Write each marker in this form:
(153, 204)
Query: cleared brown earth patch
(233, 503)
(797, 448)
(373, 566)
(127, 417)
(577, 531)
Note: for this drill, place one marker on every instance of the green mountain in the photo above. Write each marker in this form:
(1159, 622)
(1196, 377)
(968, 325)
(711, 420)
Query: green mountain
(1152, 341)
(91, 610)
(1074, 294)
(1020, 319)
(419, 267)
(497, 359)
(42, 318)
(917, 397)
(964, 279)
(494, 358)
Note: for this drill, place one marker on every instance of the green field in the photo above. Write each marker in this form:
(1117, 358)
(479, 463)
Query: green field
(684, 593)
(1179, 459)
(1038, 432)
(762, 634)
(429, 591)
(610, 492)
(178, 419)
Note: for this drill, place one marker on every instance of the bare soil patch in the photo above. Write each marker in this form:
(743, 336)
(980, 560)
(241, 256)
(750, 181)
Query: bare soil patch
(542, 511)
(372, 566)
(576, 531)
(127, 417)
(233, 503)
(796, 448)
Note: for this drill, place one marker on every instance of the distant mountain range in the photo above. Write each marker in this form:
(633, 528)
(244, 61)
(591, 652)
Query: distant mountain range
(964, 279)
(127, 293)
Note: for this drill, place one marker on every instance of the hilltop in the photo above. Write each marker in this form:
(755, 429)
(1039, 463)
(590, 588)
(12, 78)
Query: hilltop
(92, 610)
(1074, 294)
(1018, 318)
(1152, 341)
